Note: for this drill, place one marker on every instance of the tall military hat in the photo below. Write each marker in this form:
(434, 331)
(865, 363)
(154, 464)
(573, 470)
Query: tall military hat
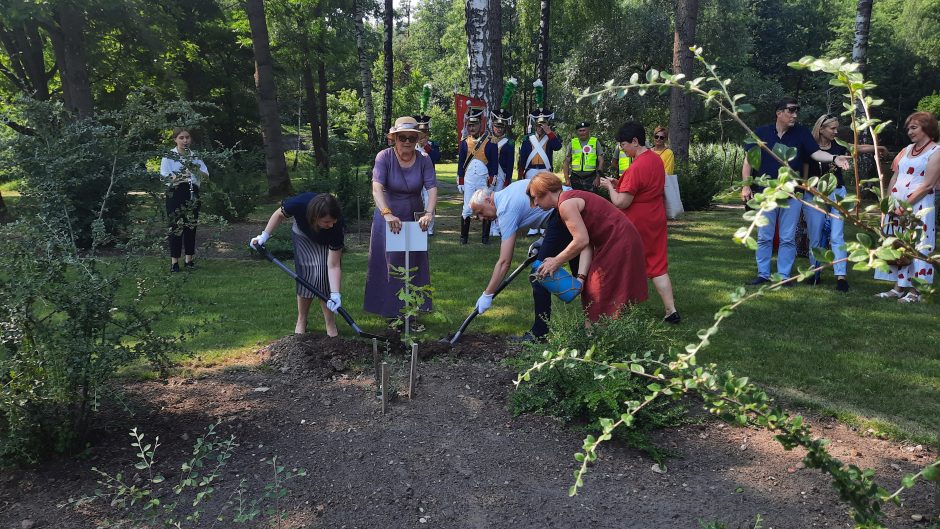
(541, 113)
(423, 119)
(503, 116)
(474, 114)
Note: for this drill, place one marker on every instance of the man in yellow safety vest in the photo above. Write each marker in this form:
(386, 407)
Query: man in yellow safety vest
(584, 160)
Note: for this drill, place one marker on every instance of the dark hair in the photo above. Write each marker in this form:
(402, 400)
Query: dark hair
(321, 206)
(630, 130)
(927, 121)
(785, 102)
(178, 130)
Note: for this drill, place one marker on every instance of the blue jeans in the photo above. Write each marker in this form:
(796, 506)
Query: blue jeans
(786, 253)
(556, 239)
(815, 220)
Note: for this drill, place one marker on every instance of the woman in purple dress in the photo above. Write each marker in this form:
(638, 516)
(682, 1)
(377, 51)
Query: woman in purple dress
(397, 179)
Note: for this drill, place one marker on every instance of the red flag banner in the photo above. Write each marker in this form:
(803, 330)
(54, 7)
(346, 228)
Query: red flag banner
(461, 104)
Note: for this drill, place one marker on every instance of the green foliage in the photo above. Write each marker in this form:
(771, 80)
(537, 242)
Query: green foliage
(413, 298)
(725, 394)
(352, 186)
(145, 497)
(930, 104)
(583, 396)
(711, 168)
(233, 190)
(63, 335)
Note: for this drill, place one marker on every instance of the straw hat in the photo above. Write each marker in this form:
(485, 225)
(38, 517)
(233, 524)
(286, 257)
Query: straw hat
(403, 124)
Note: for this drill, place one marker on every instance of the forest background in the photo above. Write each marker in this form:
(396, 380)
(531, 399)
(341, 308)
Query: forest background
(324, 81)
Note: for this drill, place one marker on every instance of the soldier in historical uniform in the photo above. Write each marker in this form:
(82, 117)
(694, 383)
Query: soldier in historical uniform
(502, 125)
(477, 167)
(537, 150)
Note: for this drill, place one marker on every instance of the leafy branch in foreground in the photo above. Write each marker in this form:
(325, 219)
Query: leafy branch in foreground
(734, 398)
(725, 394)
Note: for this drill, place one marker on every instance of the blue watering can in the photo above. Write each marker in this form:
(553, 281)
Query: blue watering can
(561, 283)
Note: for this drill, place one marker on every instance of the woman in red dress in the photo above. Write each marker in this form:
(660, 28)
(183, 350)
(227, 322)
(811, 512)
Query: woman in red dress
(639, 194)
(611, 266)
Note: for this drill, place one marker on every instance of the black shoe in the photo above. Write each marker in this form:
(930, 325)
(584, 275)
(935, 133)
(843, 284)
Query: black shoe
(673, 318)
(813, 280)
(175, 267)
(190, 264)
(758, 281)
(842, 285)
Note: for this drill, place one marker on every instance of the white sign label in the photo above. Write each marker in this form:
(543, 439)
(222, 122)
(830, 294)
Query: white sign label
(409, 239)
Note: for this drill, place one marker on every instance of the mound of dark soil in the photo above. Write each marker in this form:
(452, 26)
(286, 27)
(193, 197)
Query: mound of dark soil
(317, 355)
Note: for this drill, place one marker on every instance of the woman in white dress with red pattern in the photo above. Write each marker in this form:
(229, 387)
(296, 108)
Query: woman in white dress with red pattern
(917, 174)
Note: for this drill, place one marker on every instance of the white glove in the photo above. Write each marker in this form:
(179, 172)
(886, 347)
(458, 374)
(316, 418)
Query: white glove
(334, 303)
(484, 303)
(460, 188)
(259, 240)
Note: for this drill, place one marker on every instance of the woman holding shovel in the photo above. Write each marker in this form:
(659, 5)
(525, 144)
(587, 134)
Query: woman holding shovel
(317, 234)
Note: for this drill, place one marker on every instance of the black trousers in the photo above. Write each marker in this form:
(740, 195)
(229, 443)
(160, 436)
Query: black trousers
(182, 208)
(555, 241)
(583, 181)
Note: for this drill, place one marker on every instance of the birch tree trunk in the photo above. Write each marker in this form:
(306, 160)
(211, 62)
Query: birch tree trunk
(275, 164)
(860, 56)
(389, 17)
(680, 102)
(365, 74)
(481, 52)
(544, 51)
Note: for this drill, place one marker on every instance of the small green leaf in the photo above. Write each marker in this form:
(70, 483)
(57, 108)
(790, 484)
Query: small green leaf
(754, 157)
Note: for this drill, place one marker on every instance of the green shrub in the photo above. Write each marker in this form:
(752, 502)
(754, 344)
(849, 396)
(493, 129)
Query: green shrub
(711, 167)
(352, 186)
(930, 104)
(64, 333)
(575, 395)
(232, 191)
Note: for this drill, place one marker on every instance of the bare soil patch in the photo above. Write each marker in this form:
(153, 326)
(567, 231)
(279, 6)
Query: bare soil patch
(453, 457)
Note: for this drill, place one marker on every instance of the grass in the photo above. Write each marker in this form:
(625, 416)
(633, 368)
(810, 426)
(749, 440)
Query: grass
(867, 361)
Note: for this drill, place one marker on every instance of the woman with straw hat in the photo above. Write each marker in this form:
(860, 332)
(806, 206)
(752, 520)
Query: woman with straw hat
(397, 179)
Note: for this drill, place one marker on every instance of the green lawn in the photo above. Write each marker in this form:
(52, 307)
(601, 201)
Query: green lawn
(865, 359)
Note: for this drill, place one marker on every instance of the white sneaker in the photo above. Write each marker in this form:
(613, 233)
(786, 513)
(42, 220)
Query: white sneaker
(891, 294)
(910, 297)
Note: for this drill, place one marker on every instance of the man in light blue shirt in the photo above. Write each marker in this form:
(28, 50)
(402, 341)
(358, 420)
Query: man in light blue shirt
(514, 210)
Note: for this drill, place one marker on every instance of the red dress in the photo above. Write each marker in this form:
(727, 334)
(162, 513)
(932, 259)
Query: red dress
(645, 179)
(617, 275)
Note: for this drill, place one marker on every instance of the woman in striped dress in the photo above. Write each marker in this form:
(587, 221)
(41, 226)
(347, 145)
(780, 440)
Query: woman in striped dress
(318, 251)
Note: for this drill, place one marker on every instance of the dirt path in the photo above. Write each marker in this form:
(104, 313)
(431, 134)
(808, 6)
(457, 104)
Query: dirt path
(453, 457)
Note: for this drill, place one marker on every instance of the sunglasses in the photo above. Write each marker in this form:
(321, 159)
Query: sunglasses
(408, 139)
(791, 110)
(659, 137)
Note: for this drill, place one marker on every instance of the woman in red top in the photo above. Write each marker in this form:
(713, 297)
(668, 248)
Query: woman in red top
(639, 194)
(611, 267)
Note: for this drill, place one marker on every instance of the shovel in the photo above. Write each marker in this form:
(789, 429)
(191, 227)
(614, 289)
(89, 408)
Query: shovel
(341, 311)
(533, 253)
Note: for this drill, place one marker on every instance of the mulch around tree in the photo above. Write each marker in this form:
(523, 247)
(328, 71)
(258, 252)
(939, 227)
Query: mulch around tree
(452, 456)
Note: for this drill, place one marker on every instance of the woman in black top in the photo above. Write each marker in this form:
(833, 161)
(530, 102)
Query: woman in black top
(318, 252)
(824, 132)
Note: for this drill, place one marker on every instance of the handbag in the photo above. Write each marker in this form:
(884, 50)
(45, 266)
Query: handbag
(673, 200)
